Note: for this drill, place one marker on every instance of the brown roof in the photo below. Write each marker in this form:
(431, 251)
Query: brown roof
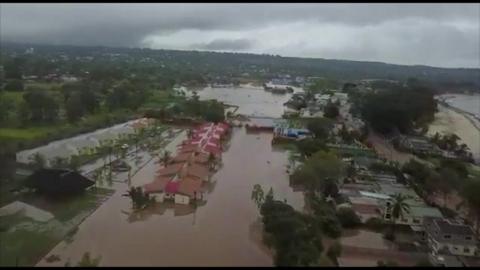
(158, 185)
(201, 158)
(199, 171)
(189, 185)
(182, 157)
(171, 169)
(365, 209)
(189, 148)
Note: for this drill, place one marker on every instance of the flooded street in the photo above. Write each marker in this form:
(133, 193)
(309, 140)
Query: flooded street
(216, 234)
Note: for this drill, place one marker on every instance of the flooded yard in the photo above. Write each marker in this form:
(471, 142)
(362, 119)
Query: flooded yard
(216, 234)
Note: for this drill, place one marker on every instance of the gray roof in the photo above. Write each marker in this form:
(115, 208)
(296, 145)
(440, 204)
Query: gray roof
(447, 227)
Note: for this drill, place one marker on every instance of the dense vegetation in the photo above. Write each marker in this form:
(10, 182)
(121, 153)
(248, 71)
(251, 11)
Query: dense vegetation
(198, 67)
(399, 108)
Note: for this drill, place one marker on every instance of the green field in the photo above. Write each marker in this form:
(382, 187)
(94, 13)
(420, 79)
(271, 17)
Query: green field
(44, 85)
(29, 133)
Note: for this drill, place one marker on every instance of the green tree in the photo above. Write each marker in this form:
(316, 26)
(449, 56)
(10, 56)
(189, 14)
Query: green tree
(331, 111)
(258, 195)
(165, 158)
(38, 161)
(471, 198)
(334, 251)
(308, 147)
(87, 261)
(42, 106)
(7, 105)
(448, 181)
(140, 199)
(74, 107)
(14, 85)
(399, 207)
(320, 127)
(348, 218)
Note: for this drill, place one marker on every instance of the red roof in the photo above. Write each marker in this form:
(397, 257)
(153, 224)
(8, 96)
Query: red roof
(212, 149)
(189, 148)
(223, 125)
(182, 157)
(158, 185)
(199, 171)
(172, 187)
(214, 141)
(171, 169)
(189, 186)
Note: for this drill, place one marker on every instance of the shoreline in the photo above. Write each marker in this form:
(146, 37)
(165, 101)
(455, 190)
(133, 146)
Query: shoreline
(454, 120)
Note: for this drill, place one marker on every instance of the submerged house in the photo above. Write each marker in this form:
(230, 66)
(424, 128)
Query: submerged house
(58, 182)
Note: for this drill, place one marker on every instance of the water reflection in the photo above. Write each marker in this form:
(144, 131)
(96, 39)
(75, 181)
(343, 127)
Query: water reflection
(160, 208)
(218, 233)
(251, 101)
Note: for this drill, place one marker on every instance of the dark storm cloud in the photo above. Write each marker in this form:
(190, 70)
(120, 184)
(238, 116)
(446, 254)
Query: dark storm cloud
(225, 45)
(236, 27)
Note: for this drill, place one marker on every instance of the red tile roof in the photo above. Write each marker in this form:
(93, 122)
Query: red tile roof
(189, 148)
(171, 169)
(172, 187)
(201, 158)
(189, 186)
(199, 171)
(182, 157)
(158, 185)
(212, 149)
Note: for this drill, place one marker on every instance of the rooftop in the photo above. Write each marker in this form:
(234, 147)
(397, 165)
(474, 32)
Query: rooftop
(189, 186)
(450, 227)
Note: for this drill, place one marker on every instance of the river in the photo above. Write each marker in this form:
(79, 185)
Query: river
(219, 233)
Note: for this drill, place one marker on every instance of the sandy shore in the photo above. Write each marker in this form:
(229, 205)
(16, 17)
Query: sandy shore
(450, 121)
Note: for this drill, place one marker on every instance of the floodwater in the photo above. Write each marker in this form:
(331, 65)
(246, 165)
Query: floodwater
(220, 233)
(67, 147)
(253, 101)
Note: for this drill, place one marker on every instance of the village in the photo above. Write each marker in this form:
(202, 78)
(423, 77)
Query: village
(161, 165)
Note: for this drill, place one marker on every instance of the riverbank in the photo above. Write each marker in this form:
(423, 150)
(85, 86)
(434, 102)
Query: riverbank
(452, 120)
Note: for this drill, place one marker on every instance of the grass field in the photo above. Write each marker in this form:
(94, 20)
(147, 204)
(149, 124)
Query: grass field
(44, 85)
(29, 133)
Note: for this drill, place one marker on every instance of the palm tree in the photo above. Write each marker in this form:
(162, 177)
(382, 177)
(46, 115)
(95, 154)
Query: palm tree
(258, 195)
(471, 198)
(189, 133)
(74, 163)
(59, 162)
(89, 262)
(211, 161)
(165, 158)
(399, 208)
(38, 161)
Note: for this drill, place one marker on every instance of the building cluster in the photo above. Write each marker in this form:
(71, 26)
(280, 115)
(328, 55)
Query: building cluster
(371, 195)
(185, 177)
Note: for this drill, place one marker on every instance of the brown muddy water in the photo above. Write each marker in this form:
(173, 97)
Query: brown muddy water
(220, 233)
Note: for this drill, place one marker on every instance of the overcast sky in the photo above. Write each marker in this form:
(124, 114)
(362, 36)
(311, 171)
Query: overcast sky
(445, 35)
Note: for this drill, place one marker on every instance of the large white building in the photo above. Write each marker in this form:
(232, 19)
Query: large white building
(446, 237)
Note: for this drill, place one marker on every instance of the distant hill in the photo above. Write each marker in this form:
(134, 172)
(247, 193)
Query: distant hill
(237, 64)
